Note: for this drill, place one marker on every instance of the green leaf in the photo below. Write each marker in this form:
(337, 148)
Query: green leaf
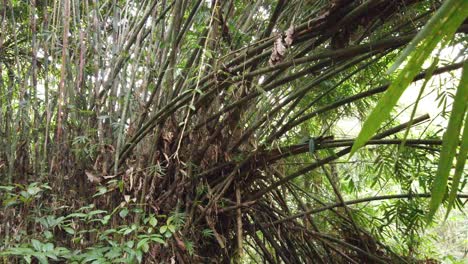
(123, 213)
(130, 244)
(449, 145)
(428, 76)
(157, 239)
(113, 253)
(434, 24)
(48, 234)
(37, 245)
(139, 256)
(442, 25)
(95, 212)
(25, 194)
(42, 258)
(460, 165)
(127, 231)
(33, 190)
(101, 190)
(51, 255)
(171, 228)
(143, 244)
(48, 247)
(105, 220)
(145, 247)
(69, 230)
(153, 221)
(79, 215)
(7, 188)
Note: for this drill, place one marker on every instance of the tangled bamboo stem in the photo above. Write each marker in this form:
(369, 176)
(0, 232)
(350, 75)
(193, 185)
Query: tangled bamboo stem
(358, 201)
(332, 158)
(350, 99)
(182, 98)
(304, 148)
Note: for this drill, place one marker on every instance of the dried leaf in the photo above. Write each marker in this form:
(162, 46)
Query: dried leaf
(180, 244)
(168, 136)
(289, 36)
(280, 47)
(92, 178)
(279, 50)
(129, 173)
(109, 176)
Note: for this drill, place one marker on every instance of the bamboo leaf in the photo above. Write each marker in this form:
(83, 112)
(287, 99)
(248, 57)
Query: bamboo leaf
(449, 145)
(433, 25)
(460, 165)
(449, 21)
(428, 76)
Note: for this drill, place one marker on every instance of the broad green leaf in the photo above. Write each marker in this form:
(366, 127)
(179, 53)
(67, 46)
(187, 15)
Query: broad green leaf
(153, 221)
(33, 190)
(145, 247)
(128, 231)
(48, 247)
(123, 213)
(139, 256)
(460, 165)
(102, 190)
(157, 239)
(48, 234)
(113, 253)
(51, 255)
(69, 230)
(443, 25)
(171, 228)
(37, 245)
(130, 243)
(41, 257)
(105, 220)
(143, 244)
(449, 145)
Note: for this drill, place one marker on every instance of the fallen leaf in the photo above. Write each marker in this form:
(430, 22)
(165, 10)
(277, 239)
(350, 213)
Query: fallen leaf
(109, 176)
(180, 244)
(92, 178)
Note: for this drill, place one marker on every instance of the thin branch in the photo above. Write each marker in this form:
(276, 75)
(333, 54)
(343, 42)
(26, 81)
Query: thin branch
(358, 201)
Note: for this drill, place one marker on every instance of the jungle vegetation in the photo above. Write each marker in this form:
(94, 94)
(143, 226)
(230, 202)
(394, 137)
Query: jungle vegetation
(230, 131)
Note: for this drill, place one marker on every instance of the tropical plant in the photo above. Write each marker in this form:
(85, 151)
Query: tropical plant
(218, 131)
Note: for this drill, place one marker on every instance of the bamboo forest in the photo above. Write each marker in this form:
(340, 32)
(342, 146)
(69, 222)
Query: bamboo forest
(233, 131)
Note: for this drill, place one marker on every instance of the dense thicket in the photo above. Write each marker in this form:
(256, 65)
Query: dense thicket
(211, 130)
